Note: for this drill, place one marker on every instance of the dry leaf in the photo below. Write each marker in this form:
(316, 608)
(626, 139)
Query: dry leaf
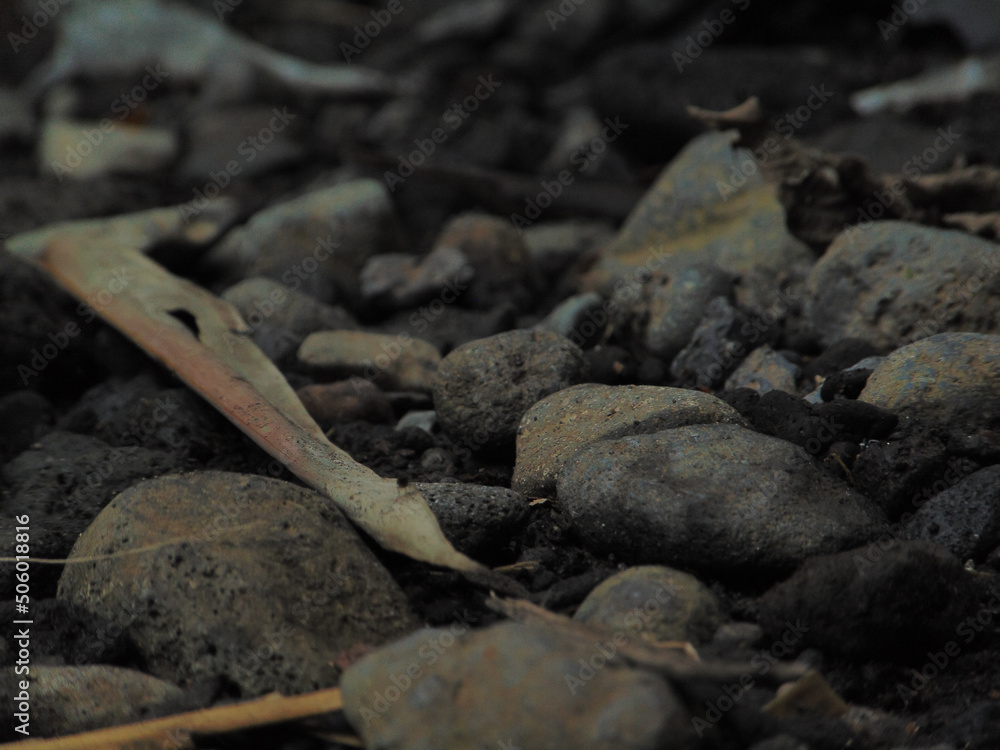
(206, 343)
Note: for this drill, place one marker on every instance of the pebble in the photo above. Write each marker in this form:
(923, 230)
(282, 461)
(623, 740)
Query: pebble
(280, 318)
(355, 398)
(512, 684)
(579, 318)
(66, 151)
(965, 518)
(494, 248)
(264, 586)
(866, 365)
(562, 424)
(68, 700)
(764, 370)
(475, 519)
(61, 483)
(737, 231)
(711, 497)
(951, 379)
(721, 341)
(424, 419)
(484, 387)
(317, 242)
(672, 306)
(656, 602)
(892, 282)
(397, 281)
(931, 595)
(400, 362)
(224, 144)
(555, 246)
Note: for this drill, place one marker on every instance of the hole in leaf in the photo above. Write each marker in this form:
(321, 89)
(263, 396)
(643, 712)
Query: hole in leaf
(187, 319)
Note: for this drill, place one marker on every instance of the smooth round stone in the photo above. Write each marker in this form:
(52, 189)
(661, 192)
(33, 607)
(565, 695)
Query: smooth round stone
(655, 602)
(951, 379)
(562, 424)
(711, 497)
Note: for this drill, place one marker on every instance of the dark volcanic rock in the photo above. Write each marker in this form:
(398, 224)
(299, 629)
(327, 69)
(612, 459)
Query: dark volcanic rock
(711, 497)
(483, 388)
(897, 599)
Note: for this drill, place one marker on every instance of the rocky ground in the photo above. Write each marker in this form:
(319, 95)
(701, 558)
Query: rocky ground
(713, 380)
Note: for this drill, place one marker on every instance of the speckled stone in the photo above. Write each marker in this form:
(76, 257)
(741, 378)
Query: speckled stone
(483, 388)
(560, 425)
(713, 497)
(254, 580)
(513, 684)
(950, 378)
(655, 602)
(892, 282)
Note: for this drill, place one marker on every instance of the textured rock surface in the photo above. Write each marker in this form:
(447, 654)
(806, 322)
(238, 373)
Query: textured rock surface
(950, 378)
(474, 517)
(655, 602)
(711, 497)
(317, 242)
(764, 370)
(964, 519)
(513, 684)
(61, 484)
(560, 425)
(280, 317)
(67, 700)
(892, 282)
(685, 219)
(255, 580)
(903, 598)
(483, 388)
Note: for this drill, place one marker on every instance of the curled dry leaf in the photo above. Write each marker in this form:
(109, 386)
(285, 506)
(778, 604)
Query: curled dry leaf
(204, 341)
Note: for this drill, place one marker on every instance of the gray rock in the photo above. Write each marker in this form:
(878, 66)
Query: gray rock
(355, 398)
(764, 370)
(317, 242)
(25, 416)
(425, 420)
(252, 579)
(475, 518)
(121, 149)
(518, 685)
(868, 363)
(68, 700)
(483, 388)
(560, 425)
(673, 306)
(555, 246)
(280, 317)
(964, 519)
(494, 248)
(723, 338)
(655, 602)
(901, 599)
(711, 497)
(951, 379)
(893, 282)
(226, 144)
(61, 484)
(578, 318)
(395, 280)
(400, 362)
(685, 218)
